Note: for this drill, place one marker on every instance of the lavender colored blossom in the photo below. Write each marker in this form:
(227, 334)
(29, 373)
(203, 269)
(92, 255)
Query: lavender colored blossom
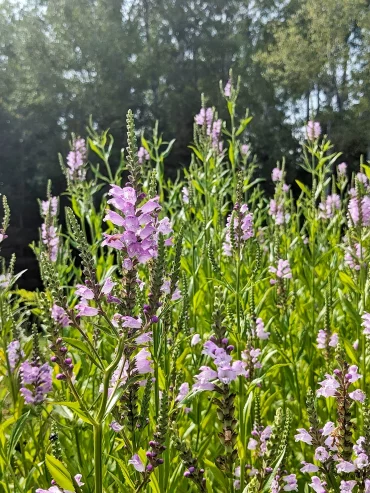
(321, 454)
(329, 427)
(139, 238)
(329, 386)
(60, 316)
(356, 205)
(291, 483)
(15, 354)
(195, 340)
(76, 159)
(244, 149)
(143, 155)
(308, 467)
(137, 463)
(84, 292)
(358, 395)
(227, 89)
(242, 233)
(276, 211)
(183, 392)
(36, 382)
(116, 426)
(342, 168)
(313, 130)
(324, 339)
(303, 436)
(317, 485)
(260, 330)
(50, 207)
(345, 466)
(329, 206)
(143, 361)
(347, 486)
(52, 489)
(78, 478)
(277, 174)
(185, 195)
(84, 310)
(361, 461)
(366, 323)
(282, 271)
(353, 256)
(50, 239)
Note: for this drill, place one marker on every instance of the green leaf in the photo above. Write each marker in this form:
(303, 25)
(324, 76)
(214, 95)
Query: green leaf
(196, 152)
(267, 486)
(347, 281)
(303, 187)
(59, 473)
(124, 471)
(17, 433)
(76, 408)
(84, 348)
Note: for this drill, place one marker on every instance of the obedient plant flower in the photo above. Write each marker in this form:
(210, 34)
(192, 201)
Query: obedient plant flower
(277, 174)
(308, 467)
(342, 168)
(116, 426)
(244, 149)
(212, 125)
(329, 206)
(324, 339)
(240, 225)
(277, 212)
(15, 354)
(227, 89)
(366, 323)
(260, 330)
(36, 382)
(76, 159)
(183, 392)
(185, 195)
(354, 256)
(196, 339)
(60, 316)
(282, 271)
(316, 484)
(50, 239)
(137, 463)
(347, 486)
(49, 207)
(291, 483)
(143, 155)
(355, 207)
(303, 436)
(141, 227)
(313, 130)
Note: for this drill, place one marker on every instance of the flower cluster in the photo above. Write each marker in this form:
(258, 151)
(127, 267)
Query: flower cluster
(277, 212)
(76, 159)
(140, 224)
(260, 437)
(207, 119)
(354, 256)
(15, 354)
(239, 224)
(36, 382)
(226, 369)
(289, 483)
(325, 339)
(313, 130)
(143, 155)
(328, 206)
(282, 271)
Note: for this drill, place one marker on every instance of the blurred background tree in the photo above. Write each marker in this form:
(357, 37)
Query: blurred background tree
(63, 60)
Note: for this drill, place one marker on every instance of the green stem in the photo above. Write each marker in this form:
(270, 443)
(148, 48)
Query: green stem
(98, 440)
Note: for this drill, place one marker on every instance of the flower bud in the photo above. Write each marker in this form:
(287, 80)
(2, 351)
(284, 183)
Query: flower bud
(54, 359)
(68, 361)
(61, 376)
(155, 319)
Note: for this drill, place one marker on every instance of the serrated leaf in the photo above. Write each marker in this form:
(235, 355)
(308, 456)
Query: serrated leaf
(59, 473)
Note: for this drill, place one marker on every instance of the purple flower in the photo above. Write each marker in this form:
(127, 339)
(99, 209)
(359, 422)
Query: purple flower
(143, 362)
(342, 168)
(84, 292)
(183, 392)
(137, 463)
(78, 478)
(243, 232)
(354, 255)
(15, 354)
(260, 330)
(195, 340)
(329, 206)
(367, 486)
(329, 427)
(60, 316)
(252, 444)
(277, 174)
(143, 155)
(352, 374)
(313, 130)
(347, 486)
(76, 159)
(50, 207)
(185, 195)
(361, 461)
(357, 395)
(244, 149)
(308, 467)
(108, 286)
(321, 454)
(116, 426)
(38, 378)
(84, 310)
(282, 271)
(131, 322)
(291, 483)
(303, 436)
(144, 338)
(329, 386)
(317, 485)
(366, 323)
(345, 466)
(50, 239)
(227, 89)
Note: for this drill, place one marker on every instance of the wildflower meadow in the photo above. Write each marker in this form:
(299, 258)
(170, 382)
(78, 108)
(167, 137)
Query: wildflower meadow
(193, 334)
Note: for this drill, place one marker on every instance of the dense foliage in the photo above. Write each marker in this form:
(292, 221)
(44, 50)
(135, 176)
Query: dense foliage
(62, 61)
(188, 328)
